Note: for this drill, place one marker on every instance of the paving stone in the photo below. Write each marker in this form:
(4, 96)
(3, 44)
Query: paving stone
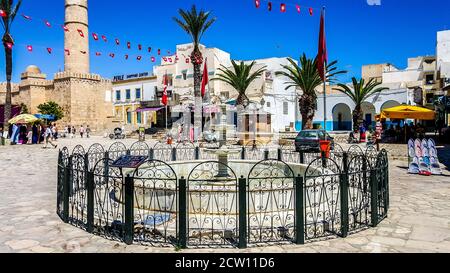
(21, 244)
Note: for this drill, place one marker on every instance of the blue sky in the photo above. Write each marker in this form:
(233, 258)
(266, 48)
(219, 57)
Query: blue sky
(357, 33)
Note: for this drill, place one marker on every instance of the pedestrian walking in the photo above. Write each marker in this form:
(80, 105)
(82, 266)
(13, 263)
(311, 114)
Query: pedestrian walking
(82, 131)
(48, 137)
(74, 131)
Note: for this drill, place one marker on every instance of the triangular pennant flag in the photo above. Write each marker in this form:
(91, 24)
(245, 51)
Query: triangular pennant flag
(257, 3)
(149, 49)
(269, 6)
(47, 23)
(139, 58)
(140, 47)
(112, 55)
(26, 17)
(128, 45)
(65, 28)
(311, 11)
(170, 60)
(159, 51)
(67, 51)
(126, 57)
(165, 59)
(49, 50)
(80, 32)
(30, 48)
(153, 59)
(98, 54)
(2, 13)
(104, 38)
(95, 36)
(117, 42)
(283, 7)
(298, 8)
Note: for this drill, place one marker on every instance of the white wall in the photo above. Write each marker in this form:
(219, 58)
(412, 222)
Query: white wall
(443, 53)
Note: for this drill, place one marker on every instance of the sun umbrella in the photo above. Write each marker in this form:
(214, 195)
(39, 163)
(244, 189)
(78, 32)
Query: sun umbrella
(23, 119)
(408, 112)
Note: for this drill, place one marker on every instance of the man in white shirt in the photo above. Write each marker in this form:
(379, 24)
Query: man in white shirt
(48, 137)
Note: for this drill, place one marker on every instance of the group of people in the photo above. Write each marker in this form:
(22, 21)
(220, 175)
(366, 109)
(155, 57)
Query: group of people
(71, 131)
(398, 134)
(39, 133)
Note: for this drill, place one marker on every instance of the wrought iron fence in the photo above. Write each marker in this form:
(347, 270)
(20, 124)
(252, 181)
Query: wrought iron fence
(274, 202)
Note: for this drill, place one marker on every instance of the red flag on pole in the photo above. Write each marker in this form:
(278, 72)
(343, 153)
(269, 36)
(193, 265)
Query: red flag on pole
(149, 49)
(153, 59)
(47, 23)
(95, 36)
(269, 6)
(65, 28)
(140, 47)
(104, 38)
(139, 58)
(67, 51)
(283, 7)
(159, 51)
(98, 54)
(30, 48)
(24, 16)
(205, 78)
(322, 57)
(311, 11)
(117, 42)
(126, 57)
(129, 45)
(298, 8)
(164, 97)
(257, 3)
(80, 32)
(112, 55)
(49, 50)
(2, 13)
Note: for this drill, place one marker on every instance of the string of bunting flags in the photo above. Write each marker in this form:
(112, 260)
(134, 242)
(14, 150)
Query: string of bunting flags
(99, 37)
(271, 5)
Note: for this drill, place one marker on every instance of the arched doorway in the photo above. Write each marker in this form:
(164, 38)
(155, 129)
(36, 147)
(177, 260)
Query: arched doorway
(342, 117)
(369, 113)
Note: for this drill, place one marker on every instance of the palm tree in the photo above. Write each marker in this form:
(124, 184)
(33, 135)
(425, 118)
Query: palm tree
(360, 93)
(195, 24)
(307, 78)
(10, 11)
(240, 77)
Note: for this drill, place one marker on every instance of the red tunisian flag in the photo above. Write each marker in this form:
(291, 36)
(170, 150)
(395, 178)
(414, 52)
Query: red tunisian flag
(205, 79)
(164, 97)
(322, 57)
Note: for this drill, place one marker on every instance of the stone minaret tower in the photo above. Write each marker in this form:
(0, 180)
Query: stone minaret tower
(76, 19)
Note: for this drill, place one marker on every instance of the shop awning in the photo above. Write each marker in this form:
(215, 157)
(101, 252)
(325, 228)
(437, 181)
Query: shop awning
(408, 112)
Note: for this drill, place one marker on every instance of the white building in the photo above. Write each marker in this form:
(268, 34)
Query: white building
(127, 94)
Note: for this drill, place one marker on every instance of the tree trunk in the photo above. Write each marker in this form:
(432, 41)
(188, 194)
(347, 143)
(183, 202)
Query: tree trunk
(307, 110)
(357, 118)
(8, 101)
(197, 60)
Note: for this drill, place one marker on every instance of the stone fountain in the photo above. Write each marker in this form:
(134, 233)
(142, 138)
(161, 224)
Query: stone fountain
(223, 151)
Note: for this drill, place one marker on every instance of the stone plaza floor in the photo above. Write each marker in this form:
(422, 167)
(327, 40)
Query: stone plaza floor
(419, 217)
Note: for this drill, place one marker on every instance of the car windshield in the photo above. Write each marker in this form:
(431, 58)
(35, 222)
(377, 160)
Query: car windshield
(308, 134)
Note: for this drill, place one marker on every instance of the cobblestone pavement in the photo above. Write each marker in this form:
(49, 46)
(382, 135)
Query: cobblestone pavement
(419, 218)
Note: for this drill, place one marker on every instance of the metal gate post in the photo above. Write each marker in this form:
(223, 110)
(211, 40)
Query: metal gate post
(182, 213)
(242, 213)
(299, 211)
(129, 210)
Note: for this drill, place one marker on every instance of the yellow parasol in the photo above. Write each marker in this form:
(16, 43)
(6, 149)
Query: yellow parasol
(408, 112)
(23, 119)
